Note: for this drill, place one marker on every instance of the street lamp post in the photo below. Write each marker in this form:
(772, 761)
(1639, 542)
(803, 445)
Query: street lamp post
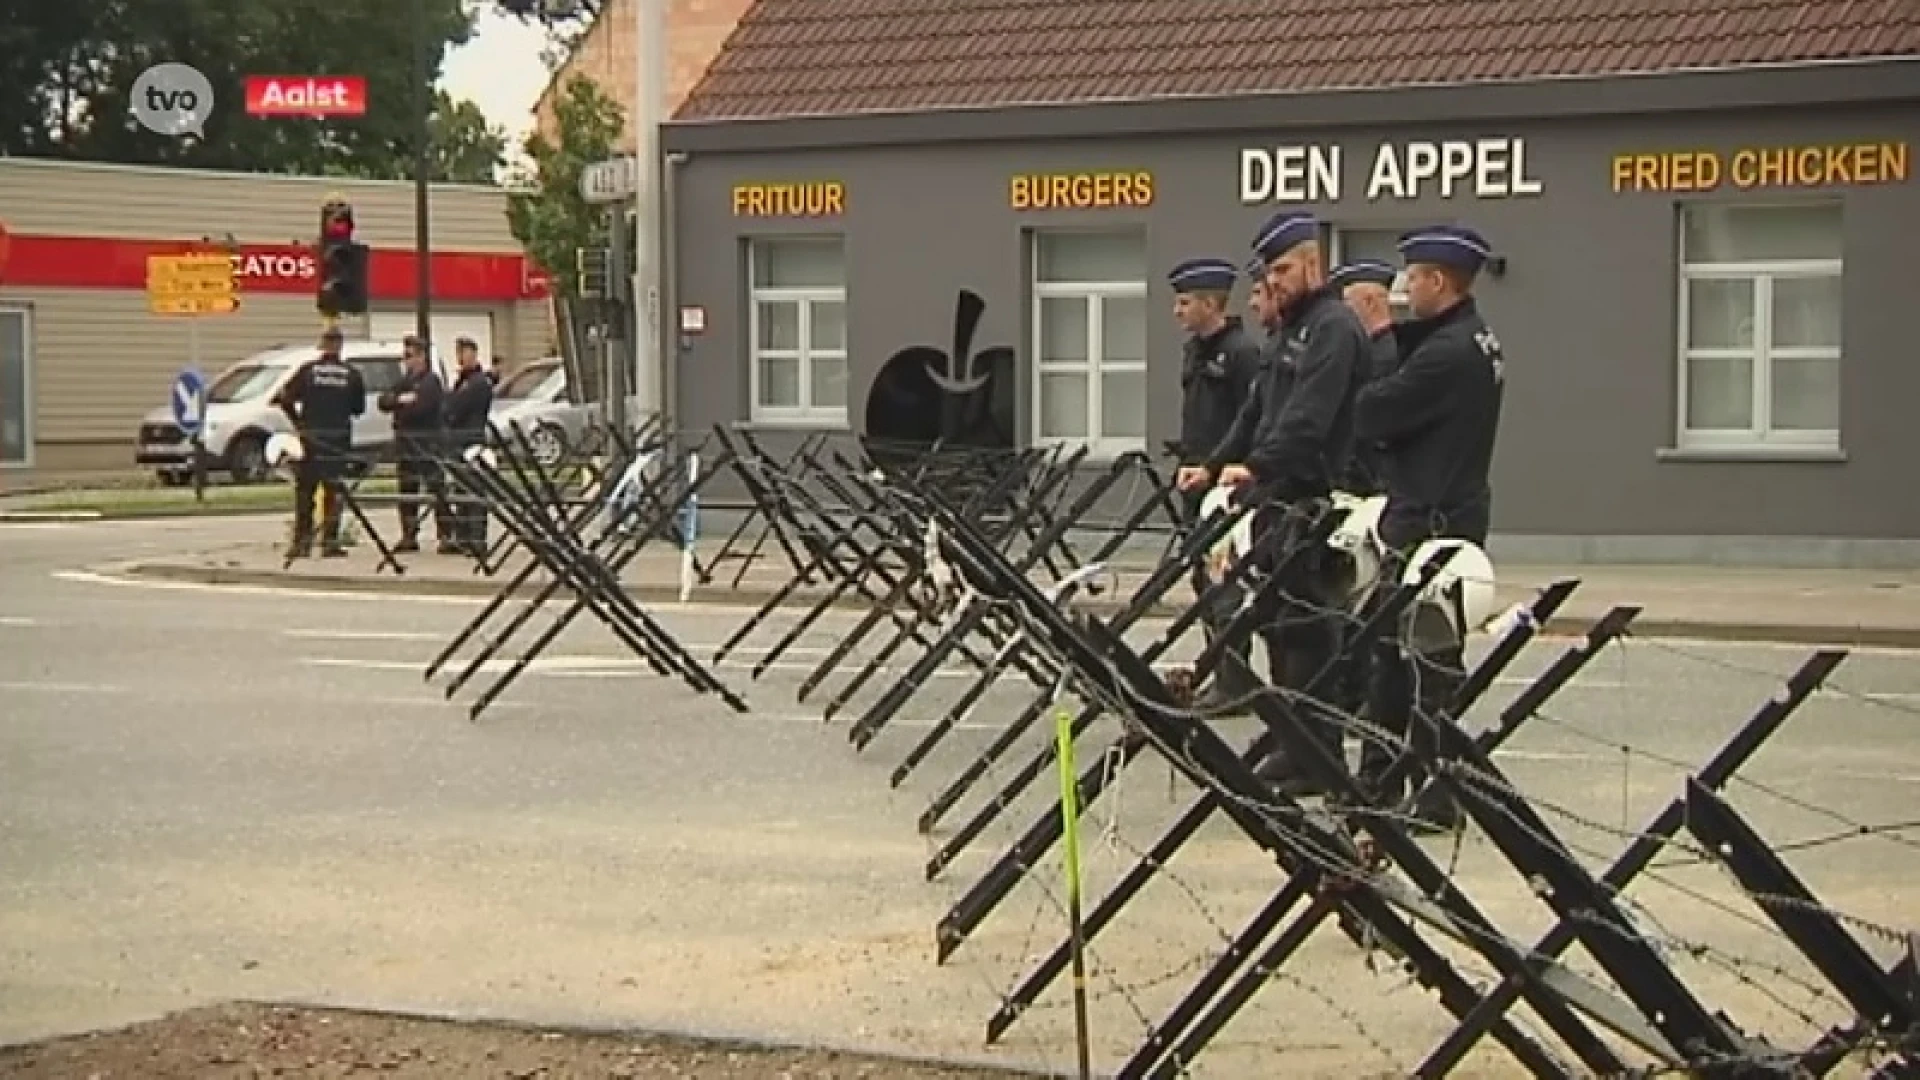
(422, 161)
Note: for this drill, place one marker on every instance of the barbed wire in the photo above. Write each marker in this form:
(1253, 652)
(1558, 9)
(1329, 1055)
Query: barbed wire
(1482, 790)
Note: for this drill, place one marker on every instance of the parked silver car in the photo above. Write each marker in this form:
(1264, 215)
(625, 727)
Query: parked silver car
(535, 401)
(241, 416)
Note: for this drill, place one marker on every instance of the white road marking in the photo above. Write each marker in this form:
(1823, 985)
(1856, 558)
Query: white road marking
(588, 667)
(1546, 755)
(94, 577)
(36, 526)
(378, 665)
(62, 688)
(18, 621)
(1866, 774)
(364, 635)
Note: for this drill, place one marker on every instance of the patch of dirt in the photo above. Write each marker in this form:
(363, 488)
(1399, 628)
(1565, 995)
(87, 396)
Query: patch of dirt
(228, 1042)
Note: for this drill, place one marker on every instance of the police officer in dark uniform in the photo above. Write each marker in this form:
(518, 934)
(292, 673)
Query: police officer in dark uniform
(467, 405)
(321, 400)
(1367, 288)
(1218, 370)
(419, 438)
(1296, 449)
(1435, 420)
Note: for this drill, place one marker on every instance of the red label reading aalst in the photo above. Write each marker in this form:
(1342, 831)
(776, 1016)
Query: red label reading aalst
(306, 95)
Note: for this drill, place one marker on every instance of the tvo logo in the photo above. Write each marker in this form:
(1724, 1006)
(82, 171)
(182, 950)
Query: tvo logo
(172, 99)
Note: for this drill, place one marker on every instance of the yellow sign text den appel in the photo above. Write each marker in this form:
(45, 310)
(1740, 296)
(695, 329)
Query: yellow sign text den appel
(822, 198)
(1860, 164)
(1081, 191)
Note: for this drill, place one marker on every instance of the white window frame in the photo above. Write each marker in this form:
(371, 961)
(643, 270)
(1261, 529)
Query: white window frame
(806, 414)
(1397, 292)
(1761, 275)
(1099, 446)
(28, 437)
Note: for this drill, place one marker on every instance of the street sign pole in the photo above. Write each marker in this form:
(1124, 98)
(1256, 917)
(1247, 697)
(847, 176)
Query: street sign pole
(199, 442)
(611, 185)
(192, 286)
(620, 387)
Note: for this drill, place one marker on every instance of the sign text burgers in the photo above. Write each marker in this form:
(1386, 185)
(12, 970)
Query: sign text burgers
(1494, 168)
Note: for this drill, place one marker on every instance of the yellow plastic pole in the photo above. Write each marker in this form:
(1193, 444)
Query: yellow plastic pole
(1076, 936)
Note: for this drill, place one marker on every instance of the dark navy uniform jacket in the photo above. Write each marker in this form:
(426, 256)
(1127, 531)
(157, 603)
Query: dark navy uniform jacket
(467, 405)
(417, 427)
(1363, 469)
(1216, 379)
(325, 394)
(1435, 419)
(1297, 440)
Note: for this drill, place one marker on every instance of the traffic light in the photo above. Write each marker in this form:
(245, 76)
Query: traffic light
(343, 263)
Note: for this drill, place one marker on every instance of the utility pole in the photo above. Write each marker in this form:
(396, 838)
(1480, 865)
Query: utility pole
(422, 161)
(650, 105)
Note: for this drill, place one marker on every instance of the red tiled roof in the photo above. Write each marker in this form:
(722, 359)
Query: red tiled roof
(833, 57)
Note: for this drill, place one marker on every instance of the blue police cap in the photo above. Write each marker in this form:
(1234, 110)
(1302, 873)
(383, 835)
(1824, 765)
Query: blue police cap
(1215, 275)
(1363, 272)
(1283, 232)
(1257, 268)
(1446, 245)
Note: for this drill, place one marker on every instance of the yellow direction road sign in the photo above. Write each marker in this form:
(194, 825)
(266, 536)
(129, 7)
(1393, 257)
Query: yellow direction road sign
(192, 305)
(191, 285)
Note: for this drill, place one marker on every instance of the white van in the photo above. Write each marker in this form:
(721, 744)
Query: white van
(241, 415)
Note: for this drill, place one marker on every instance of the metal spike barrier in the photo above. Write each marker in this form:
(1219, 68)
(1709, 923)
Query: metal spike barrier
(1524, 707)
(976, 563)
(591, 570)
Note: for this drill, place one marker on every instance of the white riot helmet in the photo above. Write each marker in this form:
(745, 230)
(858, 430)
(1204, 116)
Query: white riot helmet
(1463, 589)
(1358, 537)
(284, 449)
(1236, 542)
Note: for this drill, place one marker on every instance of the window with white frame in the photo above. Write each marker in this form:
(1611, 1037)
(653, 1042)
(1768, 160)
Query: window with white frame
(1382, 245)
(798, 312)
(16, 386)
(1090, 339)
(1760, 319)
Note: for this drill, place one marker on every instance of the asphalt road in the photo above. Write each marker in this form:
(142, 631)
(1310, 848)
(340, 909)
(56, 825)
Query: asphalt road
(215, 792)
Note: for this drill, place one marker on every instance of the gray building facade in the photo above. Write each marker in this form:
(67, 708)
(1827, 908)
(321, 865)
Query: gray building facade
(1702, 303)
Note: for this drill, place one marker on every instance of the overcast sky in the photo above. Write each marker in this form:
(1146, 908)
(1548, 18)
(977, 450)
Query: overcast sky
(500, 71)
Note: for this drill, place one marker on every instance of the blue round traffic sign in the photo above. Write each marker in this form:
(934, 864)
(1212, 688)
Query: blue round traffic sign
(189, 401)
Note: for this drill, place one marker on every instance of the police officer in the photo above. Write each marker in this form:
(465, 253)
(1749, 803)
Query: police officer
(1296, 449)
(418, 434)
(1367, 288)
(1217, 374)
(467, 405)
(1435, 420)
(321, 400)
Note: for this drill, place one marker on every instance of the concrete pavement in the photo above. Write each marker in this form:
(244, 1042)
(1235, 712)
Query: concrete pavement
(241, 791)
(1834, 607)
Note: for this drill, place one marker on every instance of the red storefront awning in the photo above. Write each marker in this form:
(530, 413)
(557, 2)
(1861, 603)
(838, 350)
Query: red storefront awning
(95, 262)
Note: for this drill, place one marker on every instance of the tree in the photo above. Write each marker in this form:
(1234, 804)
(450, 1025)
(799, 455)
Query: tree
(77, 63)
(553, 220)
(566, 22)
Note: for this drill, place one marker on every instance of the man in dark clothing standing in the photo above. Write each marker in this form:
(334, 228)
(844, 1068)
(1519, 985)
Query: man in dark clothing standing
(1218, 370)
(1367, 288)
(1435, 420)
(1293, 451)
(321, 401)
(419, 439)
(467, 405)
